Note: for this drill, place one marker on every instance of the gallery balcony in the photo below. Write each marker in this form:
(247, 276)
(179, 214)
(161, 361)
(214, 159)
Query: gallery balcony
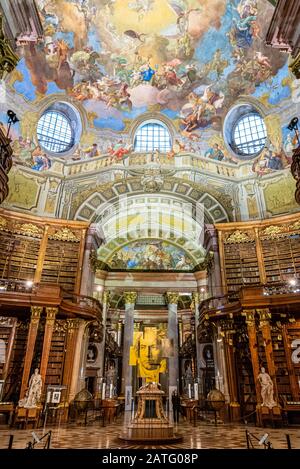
(18, 296)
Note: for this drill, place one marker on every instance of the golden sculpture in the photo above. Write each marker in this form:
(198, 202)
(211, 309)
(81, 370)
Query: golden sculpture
(273, 231)
(238, 237)
(28, 229)
(65, 234)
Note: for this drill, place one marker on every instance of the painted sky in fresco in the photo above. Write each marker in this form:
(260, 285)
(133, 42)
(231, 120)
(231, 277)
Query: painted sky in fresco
(190, 59)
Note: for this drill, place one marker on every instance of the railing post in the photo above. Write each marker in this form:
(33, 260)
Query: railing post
(247, 439)
(288, 440)
(10, 443)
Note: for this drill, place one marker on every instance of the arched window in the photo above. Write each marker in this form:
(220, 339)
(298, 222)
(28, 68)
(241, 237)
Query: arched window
(151, 136)
(59, 128)
(249, 134)
(54, 132)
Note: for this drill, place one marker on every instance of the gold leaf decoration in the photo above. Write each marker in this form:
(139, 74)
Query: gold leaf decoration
(238, 237)
(28, 229)
(3, 223)
(65, 234)
(273, 231)
(295, 226)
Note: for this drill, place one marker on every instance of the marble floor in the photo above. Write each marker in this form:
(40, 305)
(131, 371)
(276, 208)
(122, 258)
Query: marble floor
(201, 436)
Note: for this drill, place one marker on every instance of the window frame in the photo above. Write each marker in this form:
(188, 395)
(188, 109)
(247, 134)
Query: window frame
(153, 144)
(236, 147)
(68, 145)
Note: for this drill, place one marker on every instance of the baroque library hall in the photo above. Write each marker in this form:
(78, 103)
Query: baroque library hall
(149, 225)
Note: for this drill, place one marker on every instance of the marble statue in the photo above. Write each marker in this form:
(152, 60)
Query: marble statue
(34, 391)
(111, 380)
(267, 389)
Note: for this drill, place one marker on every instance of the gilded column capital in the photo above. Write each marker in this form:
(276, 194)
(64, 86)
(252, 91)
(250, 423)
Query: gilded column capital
(36, 312)
(250, 317)
(130, 297)
(73, 324)
(106, 297)
(51, 314)
(264, 317)
(172, 297)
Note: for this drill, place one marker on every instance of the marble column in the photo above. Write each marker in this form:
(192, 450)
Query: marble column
(234, 406)
(73, 347)
(211, 244)
(252, 335)
(172, 299)
(92, 242)
(130, 299)
(36, 312)
(49, 327)
(195, 305)
(220, 364)
(84, 350)
(119, 333)
(79, 346)
(105, 306)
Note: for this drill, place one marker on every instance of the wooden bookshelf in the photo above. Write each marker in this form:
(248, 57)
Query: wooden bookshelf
(241, 266)
(282, 374)
(48, 251)
(18, 256)
(56, 358)
(265, 252)
(5, 333)
(61, 263)
(281, 258)
(15, 371)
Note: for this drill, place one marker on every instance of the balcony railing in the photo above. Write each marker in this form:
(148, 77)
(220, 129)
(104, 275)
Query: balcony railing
(19, 286)
(52, 294)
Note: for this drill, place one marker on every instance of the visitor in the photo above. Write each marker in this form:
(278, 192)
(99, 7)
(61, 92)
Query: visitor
(176, 406)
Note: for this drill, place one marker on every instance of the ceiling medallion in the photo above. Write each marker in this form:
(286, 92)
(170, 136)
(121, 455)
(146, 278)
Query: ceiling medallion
(152, 176)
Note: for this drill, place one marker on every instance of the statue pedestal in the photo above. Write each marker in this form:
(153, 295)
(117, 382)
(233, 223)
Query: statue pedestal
(268, 415)
(150, 422)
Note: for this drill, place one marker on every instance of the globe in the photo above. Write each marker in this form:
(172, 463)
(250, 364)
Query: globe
(215, 399)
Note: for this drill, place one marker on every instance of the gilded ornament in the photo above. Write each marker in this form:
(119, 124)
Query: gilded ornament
(295, 66)
(28, 229)
(130, 297)
(61, 326)
(295, 226)
(51, 314)
(73, 324)
(172, 297)
(65, 234)
(3, 223)
(272, 232)
(36, 312)
(238, 237)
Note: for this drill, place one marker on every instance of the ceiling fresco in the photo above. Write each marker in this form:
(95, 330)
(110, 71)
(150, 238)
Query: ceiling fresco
(189, 59)
(151, 255)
